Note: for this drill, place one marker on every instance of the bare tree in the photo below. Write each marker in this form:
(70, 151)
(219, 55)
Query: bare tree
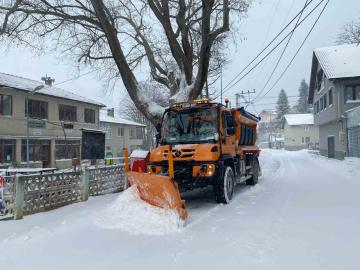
(350, 33)
(128, 110)
(177, 44)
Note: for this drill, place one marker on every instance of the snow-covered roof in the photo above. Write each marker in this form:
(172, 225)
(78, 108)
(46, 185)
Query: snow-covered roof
(340, 61)
(104, 117)
(138, 153)
(299, 119)
(28, 85)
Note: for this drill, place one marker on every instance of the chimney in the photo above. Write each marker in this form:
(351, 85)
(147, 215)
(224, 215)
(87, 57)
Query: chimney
(48, 80)
(111, 112)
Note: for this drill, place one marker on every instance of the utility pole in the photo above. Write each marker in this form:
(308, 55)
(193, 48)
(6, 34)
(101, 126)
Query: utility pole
(37, 88)
(237, 95)
(221, 86)
(247, 99)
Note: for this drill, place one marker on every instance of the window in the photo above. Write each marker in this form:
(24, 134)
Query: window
(120, 132)
(321, 104)
(7, 151)
(325, 101)
(230, 125)
(320, 80)
(89, 116)
(67, 149)
(37, 109)
(132, 133)
(139, 133)
(39, 150)
(5, 105)
(317, 107)
(67, 113)
(330, 97)
(352, 93)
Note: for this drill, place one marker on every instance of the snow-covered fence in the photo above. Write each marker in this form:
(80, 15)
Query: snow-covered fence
(106, 180)
(43, 192)
(9, 194)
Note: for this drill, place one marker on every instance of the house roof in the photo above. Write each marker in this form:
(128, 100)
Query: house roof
(27, 85)
(340, 61)
(299, 119)
(104, 117)
(337, 62)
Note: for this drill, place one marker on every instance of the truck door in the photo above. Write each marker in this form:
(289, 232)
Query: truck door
(228, 133)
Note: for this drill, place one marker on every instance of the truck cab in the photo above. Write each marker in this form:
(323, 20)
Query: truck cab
(210, 144)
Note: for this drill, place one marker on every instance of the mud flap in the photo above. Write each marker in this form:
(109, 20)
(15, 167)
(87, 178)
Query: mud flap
(158, 190)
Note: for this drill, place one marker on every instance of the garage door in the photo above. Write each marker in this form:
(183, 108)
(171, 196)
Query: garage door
(354, 141)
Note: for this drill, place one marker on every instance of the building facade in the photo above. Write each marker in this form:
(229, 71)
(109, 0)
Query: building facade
(54, 126)
(334, 90)
(300, 132)
(119, 133)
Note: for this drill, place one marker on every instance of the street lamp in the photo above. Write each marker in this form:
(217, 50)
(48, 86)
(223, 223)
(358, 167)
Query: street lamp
(37, 88)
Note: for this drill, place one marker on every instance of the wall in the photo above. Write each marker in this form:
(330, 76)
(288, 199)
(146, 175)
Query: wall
(293, 136)
(333, 129)
(332, 120)
(115, 143)
(14, 127)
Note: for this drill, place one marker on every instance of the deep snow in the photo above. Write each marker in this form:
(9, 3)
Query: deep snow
(303, 214)
(148, 219)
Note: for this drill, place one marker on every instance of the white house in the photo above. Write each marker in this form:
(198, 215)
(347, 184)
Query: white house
(119, 133)
(300, 132)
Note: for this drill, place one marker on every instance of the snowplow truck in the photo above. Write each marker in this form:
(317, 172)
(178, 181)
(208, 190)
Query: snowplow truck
(200, 143)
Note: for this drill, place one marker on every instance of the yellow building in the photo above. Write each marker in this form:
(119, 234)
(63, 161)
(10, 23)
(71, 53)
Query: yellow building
(54, 128)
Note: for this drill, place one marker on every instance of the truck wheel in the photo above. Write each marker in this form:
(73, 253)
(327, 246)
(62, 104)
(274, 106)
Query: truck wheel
(255, 167)
(225, 188)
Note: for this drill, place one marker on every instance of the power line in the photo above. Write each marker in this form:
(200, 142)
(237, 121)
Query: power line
(281, 55)
(267, 35)
(298, 50)
(277, 45)
(267, 46)
(77, 77)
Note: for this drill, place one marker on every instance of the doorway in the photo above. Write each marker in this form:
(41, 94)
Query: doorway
(331, 147)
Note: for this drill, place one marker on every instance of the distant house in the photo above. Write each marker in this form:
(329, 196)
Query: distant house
(334, 90)
(56, 120)
(300, 132)
(267, 128)
(119, 133)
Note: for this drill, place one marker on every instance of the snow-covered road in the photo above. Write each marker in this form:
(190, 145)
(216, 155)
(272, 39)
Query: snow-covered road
(303, 214)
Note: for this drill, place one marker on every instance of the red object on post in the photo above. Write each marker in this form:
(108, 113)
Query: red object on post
(138, 160)
(1, 181)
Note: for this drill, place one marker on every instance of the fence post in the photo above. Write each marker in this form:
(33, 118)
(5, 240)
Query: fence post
(19, 197)
(85, 184)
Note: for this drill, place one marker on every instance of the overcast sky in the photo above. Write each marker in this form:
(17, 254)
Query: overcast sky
(265, 19)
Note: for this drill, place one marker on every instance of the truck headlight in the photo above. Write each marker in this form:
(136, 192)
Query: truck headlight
(210, 169)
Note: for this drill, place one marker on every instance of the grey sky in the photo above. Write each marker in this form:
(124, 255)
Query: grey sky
(265, 18)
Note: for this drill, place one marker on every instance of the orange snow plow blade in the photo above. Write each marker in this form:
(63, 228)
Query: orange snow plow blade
(158, 190)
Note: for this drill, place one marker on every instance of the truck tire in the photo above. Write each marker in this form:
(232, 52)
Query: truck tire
(224, 189)
(255, 168)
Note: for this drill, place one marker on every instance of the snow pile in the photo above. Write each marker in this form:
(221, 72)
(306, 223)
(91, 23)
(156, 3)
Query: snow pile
(129, 213)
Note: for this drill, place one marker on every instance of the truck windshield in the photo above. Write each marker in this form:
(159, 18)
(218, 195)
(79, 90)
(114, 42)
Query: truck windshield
(190, 126)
